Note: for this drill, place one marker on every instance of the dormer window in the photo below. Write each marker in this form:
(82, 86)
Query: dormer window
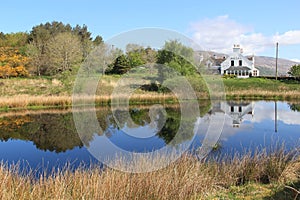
(232, 63)
(240, 63)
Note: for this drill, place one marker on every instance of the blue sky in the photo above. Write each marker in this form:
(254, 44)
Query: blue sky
(215, 25)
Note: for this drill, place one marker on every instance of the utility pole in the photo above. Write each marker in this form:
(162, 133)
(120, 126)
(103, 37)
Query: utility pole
(276, 74)
(276, 129)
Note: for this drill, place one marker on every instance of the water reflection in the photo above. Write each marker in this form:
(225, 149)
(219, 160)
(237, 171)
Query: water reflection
(236, 110)
(56, 131)
(52, 132)
(51, 136)
(250, 125)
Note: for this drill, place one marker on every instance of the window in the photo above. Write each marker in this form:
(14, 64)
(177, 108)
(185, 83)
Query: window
(232, 63)
(232, 109)
(254, 73)
(240, 63)
(240, 109)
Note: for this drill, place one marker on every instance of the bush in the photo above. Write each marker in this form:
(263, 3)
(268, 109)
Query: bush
(12, 63)
(295, 71)
(227, 76)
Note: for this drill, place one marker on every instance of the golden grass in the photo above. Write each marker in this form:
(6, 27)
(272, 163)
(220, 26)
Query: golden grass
(187, 178)
(263, 94)
(24, 101)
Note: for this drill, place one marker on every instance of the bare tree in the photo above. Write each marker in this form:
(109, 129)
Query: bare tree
(37, 59)
(100, 58)
(64, 50)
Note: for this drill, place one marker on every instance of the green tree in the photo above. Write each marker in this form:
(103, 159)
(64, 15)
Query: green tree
(18, 40)
(294, 107)
(175, 59)
(179, 49)
(98, 40)
(121, 65)
(138, 55)
(295, 71)
(63, 51)
(85, 38)
(176, 62)
(135, 58)
(150, 55)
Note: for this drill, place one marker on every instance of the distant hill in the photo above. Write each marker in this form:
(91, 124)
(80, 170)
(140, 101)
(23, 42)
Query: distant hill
(265, 64)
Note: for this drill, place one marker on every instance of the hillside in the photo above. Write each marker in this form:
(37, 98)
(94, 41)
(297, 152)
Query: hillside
(266, 65)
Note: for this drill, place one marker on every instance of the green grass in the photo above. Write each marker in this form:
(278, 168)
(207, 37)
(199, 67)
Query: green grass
(260, 84)
(262, 89)
(258, 191)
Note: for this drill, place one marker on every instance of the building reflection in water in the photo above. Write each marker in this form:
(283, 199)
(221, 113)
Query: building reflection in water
(235, 110)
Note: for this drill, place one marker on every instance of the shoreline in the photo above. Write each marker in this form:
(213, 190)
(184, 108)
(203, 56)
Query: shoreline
(31, 102)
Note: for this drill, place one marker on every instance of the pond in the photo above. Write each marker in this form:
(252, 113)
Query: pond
(48, 138)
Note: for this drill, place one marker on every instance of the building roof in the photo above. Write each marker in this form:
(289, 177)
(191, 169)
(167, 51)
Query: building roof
(218, 61)
(238, 68)
(250, 58)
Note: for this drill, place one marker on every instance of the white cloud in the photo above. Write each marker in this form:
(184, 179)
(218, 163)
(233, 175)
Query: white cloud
(220, 33)
(263, 112)
(288, 38)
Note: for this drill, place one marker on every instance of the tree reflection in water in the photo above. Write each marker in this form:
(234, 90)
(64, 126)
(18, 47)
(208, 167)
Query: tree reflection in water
(56, 131)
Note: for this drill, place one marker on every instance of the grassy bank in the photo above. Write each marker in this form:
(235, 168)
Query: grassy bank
(50, 92)
(261, 88)
(262, 176)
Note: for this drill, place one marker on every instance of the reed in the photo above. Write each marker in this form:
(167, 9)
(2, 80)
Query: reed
(263, 94)
(187, 178)
(27, 101)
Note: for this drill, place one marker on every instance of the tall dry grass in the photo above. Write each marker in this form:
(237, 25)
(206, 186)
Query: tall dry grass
(263, 94)
(24, 101)
(187, 178)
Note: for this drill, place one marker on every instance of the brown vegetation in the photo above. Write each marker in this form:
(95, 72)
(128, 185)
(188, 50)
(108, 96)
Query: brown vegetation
(187, 178)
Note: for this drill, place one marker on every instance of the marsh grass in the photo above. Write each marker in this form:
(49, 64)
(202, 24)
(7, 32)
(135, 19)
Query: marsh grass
(187, 178)
(253, 94)
(46, 92)
(30, 101)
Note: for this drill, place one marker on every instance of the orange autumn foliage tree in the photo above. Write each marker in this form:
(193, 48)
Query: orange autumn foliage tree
(12, 63)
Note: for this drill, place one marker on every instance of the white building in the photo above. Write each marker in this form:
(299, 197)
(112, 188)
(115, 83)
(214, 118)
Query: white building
(239, 65)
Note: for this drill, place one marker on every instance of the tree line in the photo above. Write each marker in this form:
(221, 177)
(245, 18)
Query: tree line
(53, 48)
(50, 48)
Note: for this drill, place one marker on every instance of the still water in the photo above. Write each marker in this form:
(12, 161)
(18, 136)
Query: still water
(48, 138)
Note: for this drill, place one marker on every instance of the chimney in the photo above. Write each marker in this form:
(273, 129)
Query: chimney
(236, 48)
